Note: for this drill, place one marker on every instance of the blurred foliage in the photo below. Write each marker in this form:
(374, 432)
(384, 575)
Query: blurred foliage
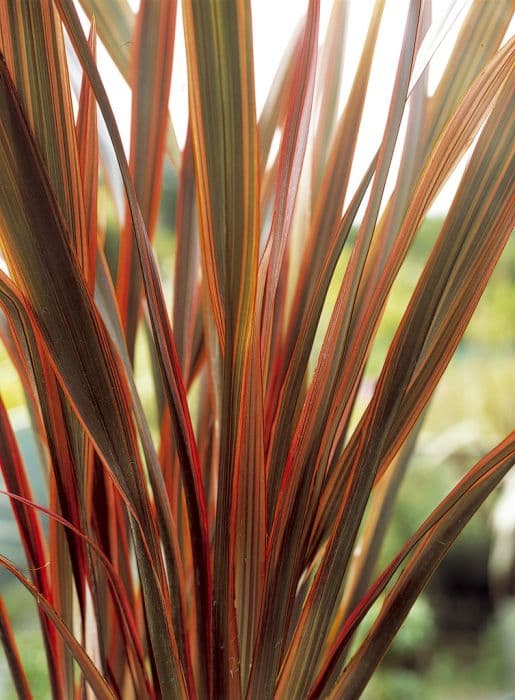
(22, 609)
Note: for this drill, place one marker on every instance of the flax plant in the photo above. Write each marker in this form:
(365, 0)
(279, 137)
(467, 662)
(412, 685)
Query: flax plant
(208, 553)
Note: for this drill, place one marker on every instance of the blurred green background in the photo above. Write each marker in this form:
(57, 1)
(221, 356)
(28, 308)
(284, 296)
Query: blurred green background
(456, 643)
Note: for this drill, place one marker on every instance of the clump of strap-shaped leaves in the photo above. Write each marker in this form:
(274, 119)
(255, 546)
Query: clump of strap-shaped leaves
(215, 556)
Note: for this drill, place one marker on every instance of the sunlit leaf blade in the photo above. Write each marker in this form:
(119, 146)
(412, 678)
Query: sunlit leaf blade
(485, 219)
(151, 72)
(453, 143)
(47, 409)
(77, 341)
(87, 138)
(302, 480)
(327, 378)
(12, 655)
(333, 187)
(429, 117)
(115, 23)
(31, 535)
(17, 313)
(327, 90)
(128, 626)
(295, 371)
(363, 565)
(186, 298)
(106, 301)
(334, 184)
(32, 43)
(475, 231)
(69, 563)
(273, 113)
(163, 338)
(290, 160)
(415, 576)
(250, 544)
(474, 486)
(97, 683)
(319, 258)
(206, 489)
(208, 147)
(410, 166)
(224, 133)
(480, 35)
